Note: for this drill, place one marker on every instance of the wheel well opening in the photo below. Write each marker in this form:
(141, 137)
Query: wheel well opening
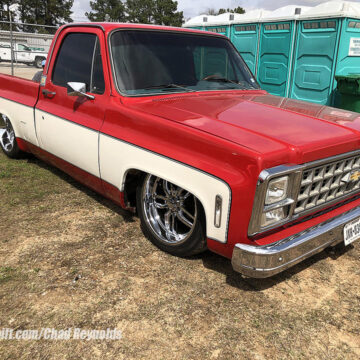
(133, 179)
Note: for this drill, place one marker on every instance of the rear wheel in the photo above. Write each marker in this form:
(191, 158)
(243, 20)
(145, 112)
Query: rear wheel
(8, 140)
(171, 217)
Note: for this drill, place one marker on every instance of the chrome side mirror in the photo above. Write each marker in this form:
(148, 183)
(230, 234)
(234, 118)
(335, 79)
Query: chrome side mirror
(78, 89)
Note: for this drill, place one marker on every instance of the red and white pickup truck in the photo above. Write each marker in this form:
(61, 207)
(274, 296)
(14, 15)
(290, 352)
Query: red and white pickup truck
(172, 123)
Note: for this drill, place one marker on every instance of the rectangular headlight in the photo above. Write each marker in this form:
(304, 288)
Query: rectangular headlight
(277, 190)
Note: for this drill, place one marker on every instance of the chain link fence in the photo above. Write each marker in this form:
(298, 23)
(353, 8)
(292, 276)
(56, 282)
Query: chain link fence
(23, 47)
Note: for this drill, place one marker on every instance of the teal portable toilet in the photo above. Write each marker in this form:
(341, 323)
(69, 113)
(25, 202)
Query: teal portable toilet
(196, 22)
(219, 24)
(327, 44)
(277, 39)
(348, 58)
(245, 34)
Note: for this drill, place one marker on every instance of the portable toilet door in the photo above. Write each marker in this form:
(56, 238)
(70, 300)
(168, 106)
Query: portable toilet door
(276, 43)
(245, 38)
(245, 33)
(348, 61)
(314, 61)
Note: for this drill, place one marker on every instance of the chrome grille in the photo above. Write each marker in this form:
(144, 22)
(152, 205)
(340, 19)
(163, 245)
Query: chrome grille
(329, 181)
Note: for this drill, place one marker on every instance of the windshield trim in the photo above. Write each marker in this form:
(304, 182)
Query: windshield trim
(169, 92)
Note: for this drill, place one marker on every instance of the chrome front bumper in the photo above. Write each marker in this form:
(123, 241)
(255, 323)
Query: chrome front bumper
(268, 260)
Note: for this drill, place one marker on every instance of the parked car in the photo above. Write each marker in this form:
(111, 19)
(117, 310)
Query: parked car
(21, 54)
(171, 123)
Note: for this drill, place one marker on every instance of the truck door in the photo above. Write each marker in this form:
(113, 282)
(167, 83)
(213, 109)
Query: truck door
(68, 126)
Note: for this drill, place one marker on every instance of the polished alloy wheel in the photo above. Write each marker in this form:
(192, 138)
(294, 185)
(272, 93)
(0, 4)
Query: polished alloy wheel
(170, 211)
(7, 136)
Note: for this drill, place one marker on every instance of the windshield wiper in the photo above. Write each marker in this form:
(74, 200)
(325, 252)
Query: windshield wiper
(226, 80)
(169, 86)
(221, 79)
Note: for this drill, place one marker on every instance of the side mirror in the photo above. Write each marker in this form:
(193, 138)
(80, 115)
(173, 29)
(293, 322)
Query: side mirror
(78, 89)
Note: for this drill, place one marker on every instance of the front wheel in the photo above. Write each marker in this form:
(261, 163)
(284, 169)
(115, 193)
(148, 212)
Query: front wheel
(8, 140)
(171, 217)
(38, 62)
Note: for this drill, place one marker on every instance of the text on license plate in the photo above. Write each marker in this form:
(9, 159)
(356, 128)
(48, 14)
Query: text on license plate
(352, 231)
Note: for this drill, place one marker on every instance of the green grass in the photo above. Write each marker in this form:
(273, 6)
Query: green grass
(6, 273)
(53, 231)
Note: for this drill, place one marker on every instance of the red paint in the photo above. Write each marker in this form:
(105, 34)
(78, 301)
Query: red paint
(232, 135)
(19, 90)
(80, 175)
(22, 144)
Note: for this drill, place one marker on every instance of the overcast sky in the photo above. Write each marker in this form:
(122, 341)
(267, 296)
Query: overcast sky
(193, 8)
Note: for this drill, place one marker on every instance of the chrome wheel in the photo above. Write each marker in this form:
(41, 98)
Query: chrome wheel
(7, 136)
(170, 211)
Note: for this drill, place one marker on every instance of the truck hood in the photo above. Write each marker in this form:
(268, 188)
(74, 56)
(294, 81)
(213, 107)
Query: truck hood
(264, 123)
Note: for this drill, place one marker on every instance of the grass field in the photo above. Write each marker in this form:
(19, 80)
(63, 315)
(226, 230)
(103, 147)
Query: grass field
(69, 258)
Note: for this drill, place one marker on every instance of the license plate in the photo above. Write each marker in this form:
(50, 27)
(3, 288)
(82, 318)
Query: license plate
(352, 231)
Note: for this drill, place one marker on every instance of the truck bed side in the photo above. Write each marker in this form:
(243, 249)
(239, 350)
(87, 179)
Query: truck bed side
(18, 98)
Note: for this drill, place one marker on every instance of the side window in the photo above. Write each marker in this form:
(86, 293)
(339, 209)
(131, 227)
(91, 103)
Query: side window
(74, 60)
(97, 83)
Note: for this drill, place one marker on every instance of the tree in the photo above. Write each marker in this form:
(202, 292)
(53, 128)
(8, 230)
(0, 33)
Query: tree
(211, 11)
(113, 9)
(5, 14)
(238, 10)
(44, 12)
(166, 13)
(140, 11)
(160, 12)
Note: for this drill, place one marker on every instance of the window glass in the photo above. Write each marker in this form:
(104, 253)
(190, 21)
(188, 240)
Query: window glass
(97, 76)
(151, 62)
(74, 60)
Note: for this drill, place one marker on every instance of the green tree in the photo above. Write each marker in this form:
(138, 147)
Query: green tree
(160, 12)
(114, 10)
(45, 12)
(5, 14)
(238, 10)
(140, 11)
(166, 13)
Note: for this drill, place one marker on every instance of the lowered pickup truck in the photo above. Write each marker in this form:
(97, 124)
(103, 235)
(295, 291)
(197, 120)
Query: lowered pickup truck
(172, 123)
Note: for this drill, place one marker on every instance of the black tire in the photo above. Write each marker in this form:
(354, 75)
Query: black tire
(193, 243)
(38, 62)
(8, 141)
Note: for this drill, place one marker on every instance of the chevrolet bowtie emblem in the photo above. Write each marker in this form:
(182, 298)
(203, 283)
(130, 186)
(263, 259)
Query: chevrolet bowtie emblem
(351, 176)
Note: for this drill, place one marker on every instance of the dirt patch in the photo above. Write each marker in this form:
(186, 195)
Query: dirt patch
(69, 258)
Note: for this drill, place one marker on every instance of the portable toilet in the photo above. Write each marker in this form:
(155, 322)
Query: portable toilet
(327, 44)
(197, 22)
(219, 24)
(277, 39)
(245, 33)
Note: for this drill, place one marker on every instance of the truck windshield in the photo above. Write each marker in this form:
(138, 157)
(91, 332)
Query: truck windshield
(153, 62)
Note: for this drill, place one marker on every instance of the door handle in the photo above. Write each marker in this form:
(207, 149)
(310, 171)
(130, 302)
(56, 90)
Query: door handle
(48, 94)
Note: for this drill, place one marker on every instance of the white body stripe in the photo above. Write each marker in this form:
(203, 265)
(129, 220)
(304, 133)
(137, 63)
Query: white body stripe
(78, 145)
(73, 143)
(117, 157)
(22, 119)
